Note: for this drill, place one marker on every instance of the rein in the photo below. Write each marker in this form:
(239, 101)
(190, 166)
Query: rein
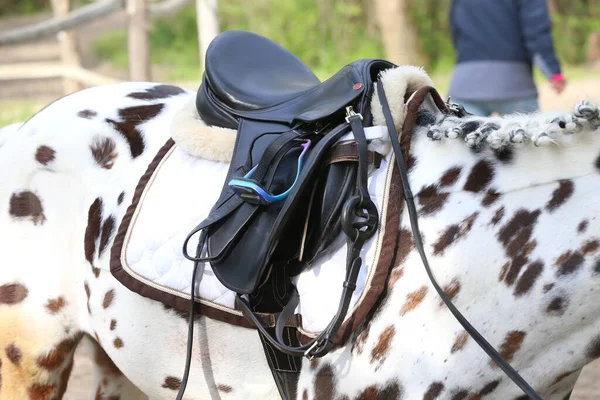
(412, 212)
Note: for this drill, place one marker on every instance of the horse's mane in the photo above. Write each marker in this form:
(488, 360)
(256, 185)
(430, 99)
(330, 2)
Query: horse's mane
(516, 130)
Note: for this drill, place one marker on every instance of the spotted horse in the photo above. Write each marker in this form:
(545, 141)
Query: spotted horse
(507, 213)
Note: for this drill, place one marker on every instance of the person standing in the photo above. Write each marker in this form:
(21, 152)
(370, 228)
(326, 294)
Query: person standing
(497, 42)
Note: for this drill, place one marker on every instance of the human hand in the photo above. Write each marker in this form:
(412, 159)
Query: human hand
(558, 83)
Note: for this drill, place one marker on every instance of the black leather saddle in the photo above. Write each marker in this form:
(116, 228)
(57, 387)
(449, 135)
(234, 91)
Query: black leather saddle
(276, 103)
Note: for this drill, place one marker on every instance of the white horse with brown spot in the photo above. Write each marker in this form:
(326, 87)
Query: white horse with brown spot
(517, 252)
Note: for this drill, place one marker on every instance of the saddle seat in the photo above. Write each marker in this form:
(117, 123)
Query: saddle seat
(250, 76)
(249, 72)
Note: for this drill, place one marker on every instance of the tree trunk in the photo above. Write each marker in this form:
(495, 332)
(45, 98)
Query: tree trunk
(593, 51)
(67, 41)
(398, 35)
(139, 41)
(208, 24)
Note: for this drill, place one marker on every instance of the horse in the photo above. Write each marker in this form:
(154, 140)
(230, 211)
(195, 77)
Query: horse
(507, 209)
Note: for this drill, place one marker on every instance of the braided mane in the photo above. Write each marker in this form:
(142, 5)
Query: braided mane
(516, 130)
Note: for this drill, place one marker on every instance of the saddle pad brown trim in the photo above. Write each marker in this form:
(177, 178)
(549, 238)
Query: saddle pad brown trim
(204, 307)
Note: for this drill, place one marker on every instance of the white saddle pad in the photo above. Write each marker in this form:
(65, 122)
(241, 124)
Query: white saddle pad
(177, 192)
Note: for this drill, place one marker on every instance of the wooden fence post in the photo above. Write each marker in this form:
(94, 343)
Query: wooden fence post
(67, 41)
(139, 40)
(208, 24)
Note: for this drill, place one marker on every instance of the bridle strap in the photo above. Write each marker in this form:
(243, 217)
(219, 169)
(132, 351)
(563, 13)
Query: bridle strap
(412, 212)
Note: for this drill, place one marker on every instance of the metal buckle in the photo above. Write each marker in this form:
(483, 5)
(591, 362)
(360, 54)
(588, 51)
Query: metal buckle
(308, 353)
(350, 113)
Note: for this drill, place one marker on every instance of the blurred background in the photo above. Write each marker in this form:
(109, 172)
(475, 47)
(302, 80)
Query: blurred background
(164, 41)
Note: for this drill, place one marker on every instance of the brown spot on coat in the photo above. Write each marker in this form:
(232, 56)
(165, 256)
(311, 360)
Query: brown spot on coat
(55, 305)
(504, 271)
(591, 246)
(118, 342)
(225, 388)
(489, 388)
(105, 363)
(27, 204)
(480, 177)
(64, 380)
(172, 383)
(561, 194)
(157, 92)
(583, 225)
(325, 383)
(431, 200)
(40, 391)
(413, 299)
(450, 177)
(384, 343)
(56, 357)
(113, 324)
(548, 287)
(12, 293)
(557, 306)
(459, 394)
(87, 294)
(434, 390)
(563, 376)
(87, 114)
(569, 262)
(512, 343)
(304, 394)
(460, 342)
(593, 349)
(104, 151)
(370, 393)
(45, 155)
(498, 215)
(92, 231)
(490, 198)
(517, 232)
(406, 244)
(108, 229)
(527, 280)
(361, 339)
(13, 353)
(108, 298)
(454, 233)
(411, 162)
(395, 275)
(451, 290)
(130, 119)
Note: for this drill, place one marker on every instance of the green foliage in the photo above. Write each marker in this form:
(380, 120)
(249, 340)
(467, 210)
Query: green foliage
(431, 21)
(573, 23)
(325, 34)
(23, 7)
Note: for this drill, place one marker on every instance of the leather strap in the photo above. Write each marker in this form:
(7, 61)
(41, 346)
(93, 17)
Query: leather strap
(349, 152)
(412, 212)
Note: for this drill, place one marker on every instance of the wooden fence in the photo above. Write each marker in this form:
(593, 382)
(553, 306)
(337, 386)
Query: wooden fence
(139, 14)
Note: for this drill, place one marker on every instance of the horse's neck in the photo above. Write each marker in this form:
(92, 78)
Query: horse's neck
(513, 238)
